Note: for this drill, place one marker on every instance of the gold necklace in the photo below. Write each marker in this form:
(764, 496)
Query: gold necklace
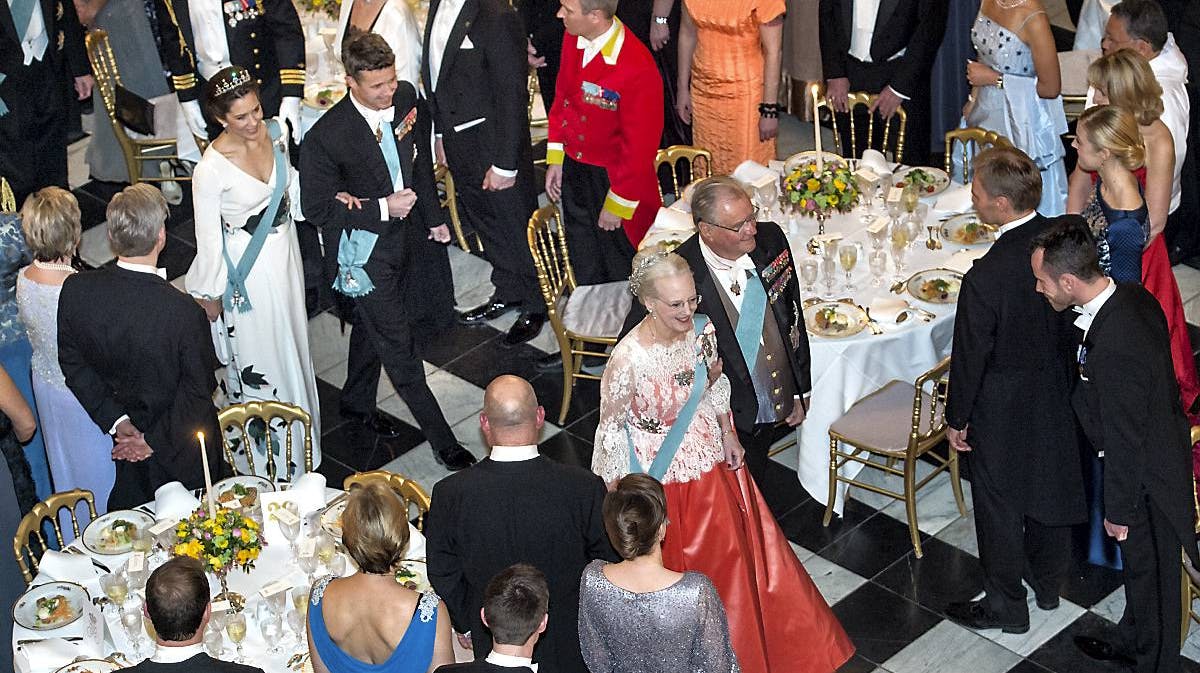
(1010, 4)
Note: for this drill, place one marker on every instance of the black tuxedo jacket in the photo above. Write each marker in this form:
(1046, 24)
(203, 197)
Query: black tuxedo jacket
(492, 515)
(787, 309)
(487, 81)
(1011, 379)
(64, 48)
(201, 663)
(340, 153)
(270, 45)
(130, 343)
(1127, 401)
(481, 666)
(914, 25)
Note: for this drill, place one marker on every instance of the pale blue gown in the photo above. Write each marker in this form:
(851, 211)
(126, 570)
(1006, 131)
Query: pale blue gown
(1034, 125)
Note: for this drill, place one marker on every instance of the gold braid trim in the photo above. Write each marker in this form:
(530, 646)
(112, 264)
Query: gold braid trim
(183, 48)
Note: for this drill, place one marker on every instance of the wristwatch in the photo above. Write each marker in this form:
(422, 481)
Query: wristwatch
(660, 20)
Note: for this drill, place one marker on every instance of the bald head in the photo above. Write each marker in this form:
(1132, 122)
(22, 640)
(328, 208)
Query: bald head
(511, 414)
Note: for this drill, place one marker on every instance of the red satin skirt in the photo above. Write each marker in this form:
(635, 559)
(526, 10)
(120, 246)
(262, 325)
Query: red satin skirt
(778, 621)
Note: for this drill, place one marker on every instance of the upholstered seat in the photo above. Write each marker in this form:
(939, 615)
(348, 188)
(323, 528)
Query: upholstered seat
(882, 421)
(598, 310)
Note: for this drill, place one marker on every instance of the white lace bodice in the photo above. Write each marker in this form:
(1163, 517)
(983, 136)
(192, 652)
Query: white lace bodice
(643, 388)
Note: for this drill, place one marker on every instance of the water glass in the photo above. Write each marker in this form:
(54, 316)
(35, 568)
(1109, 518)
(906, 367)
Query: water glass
(308, 565)
(214, 642)
(116, 587)
(808, 273)
(878, 262)
(337, 567)
(270, 625)
(829, 267)
(131, 620)
(848, 256)
(295, 622)
(877, 238)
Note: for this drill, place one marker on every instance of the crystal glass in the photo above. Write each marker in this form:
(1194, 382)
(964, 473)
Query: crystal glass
(143, 541)
(235, 628)
(848, 256)
(829, 268)
(270, 625)
(308, 565)
(808, 273)
(290, 530)
(877, 238)
(295, 622)
(894, 209)
(337, 567)
(131, 620)
(325, 549)
(214, 642)
(277, 602)
(877, 260)
(916, 228)
(909, 198)
(300, 599)
(116, 587)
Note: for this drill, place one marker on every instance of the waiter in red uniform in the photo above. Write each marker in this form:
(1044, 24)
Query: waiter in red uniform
(605, 126)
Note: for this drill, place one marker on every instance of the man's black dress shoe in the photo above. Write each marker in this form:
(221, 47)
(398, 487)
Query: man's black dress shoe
(380, 425)
(1102, 650)
(489, 310)
(527, 326)
(454, 458)
(549, 363)
(1047, 602)
(973, 615)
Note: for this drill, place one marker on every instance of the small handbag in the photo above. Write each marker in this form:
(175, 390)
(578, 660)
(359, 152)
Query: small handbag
(135, 112)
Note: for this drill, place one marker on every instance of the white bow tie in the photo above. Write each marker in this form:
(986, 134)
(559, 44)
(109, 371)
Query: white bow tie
(385, 116)
(1084, 320)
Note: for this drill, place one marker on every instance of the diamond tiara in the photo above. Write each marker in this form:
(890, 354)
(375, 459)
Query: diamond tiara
(237, 77)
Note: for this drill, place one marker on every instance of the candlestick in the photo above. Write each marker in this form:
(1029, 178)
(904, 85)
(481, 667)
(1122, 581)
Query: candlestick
(816, 96)
(212, 503)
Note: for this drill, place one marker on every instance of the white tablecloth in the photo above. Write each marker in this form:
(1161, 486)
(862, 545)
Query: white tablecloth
(275, 563)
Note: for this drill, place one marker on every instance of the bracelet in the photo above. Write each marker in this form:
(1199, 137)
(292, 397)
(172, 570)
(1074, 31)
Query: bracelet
(660, 20)
(768, 110)
(1000, 81)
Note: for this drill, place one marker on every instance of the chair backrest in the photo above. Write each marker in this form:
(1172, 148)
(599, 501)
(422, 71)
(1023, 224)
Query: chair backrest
(1195, 437)
(448, 199)
(29, 531)
(547, 239)
(972, 139)
(8, 202)
(888, 142)
(696, 160)
(535, 89)
(108, 78)
(929, 406)
(408, 490)
(243, 417)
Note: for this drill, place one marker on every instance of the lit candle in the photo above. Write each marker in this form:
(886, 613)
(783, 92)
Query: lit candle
(816, 96)
(212, 505)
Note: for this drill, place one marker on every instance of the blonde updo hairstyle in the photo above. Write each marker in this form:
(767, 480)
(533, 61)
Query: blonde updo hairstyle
(1115, 129)
(375, 527)
(633, 514)
(50, 222)
(651, 264)
(1126, 79)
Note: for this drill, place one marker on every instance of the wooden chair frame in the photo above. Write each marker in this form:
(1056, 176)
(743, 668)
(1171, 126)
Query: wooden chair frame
(556, 278)
(8, 202)
(240, 415)
(674, 154)
(1189, 591)
(931, 386)
(857, 99)
(31, 527)
(408, 490)
(136, 150)
(448, 199)
(972, 136)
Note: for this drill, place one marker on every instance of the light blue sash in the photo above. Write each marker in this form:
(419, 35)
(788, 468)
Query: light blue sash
(3, 107)
(22, 14)
(674, 436)
(353, 252)
(236, 298)
(387, 143)
(750, 321)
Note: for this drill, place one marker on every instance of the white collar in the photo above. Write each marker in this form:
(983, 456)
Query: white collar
(1087, 312)
(722, 265)
(1005, 228)
(592, 47)
(514, 454)
(509, 661)
(174, 655)
(142, 268)
(374, 117)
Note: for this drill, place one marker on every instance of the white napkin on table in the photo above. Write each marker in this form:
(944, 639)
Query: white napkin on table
(962, 260)
(56, 565)
(754, 174)
(173, 501)
(887, 310)
(47, 655)
(670, 224)
(956, 199)
(309, 491)
(878, 163)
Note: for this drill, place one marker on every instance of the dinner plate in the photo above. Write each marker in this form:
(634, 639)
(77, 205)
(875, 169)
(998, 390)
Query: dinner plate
(940, 180)
(323, 97)
(331, 519)
(90, 666)
(95, 530)
(966, 229)
(834, 319)
(25, 610)
(936, 286)
(413, 574)
(245, 480)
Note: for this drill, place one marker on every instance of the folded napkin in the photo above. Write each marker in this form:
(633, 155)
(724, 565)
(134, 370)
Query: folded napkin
(670, 224)
(56, 565)
(309, 492)
(875, 160)
(754, 174)
(956, 199)
(887, 310)
(962, 260)
(49, 655)
(173, 501)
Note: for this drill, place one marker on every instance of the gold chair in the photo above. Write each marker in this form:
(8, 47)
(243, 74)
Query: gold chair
(972, 139)
(1189, 590)
(901, 421)
(448, 199)
(136, 150)
(887, 143)
(674, 154)
(535, 90)
(408, 490)
(241, 416)
(32, 524)
(8, 202)
(548, 243)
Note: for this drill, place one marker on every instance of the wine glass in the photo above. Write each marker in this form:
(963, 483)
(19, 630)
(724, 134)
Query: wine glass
(235, 627)
(325, 549)
(143, 541)
(894, 208)
(116, 587)
(132, 620)
(877, 260)
(808, 273)
(295, 621)
(308, 565)
(300, 599)
(848, 256)
(829, 272)
(899, 241)
(877, 237)
(270, 625)
(337, 567)
(909, 198)
(214, 642)
(277, 602)
(290, 529)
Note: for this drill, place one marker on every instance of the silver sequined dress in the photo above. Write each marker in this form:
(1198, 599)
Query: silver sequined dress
(680, 629)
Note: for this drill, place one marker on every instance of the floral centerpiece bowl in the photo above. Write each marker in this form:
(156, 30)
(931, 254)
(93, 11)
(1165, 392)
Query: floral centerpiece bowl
(818, 191)
(222, 542)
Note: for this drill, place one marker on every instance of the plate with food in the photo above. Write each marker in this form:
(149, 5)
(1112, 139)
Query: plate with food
(90, 666)
(46, 607)
(928, 180)
(113, 533)
(323, 97)
(967, 229)
(241, 491)
(834, 319)
(936, 286)
(331, 519)
(412, 574)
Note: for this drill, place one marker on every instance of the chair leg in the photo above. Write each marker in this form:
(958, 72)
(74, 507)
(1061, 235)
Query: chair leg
(1186, 602)
(955, 482)
(833, 473)
(910, 503)
(568, 365)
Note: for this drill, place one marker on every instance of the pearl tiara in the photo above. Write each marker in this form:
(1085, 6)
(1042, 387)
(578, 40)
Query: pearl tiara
(236, 77)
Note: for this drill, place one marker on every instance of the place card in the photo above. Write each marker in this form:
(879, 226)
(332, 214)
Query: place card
(306, 547)
(866, 176)
(137, 562)
(894, 195)
(162, 526)
(285, 516)
(879, 225)
(823, 239)
(221, 606)
(273, 588)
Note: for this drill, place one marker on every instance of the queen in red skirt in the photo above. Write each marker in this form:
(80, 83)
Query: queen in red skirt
(664, 410)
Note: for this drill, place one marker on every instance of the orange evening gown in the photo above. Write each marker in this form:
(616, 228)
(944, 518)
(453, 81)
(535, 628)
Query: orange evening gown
(727, 79)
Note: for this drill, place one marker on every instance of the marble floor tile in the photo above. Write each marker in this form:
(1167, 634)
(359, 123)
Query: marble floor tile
(93, 246)
(881, 623)
(1191, 646)
(936, 506)
(335, 375)
(1112, 607)
(833, 581)
(458, 398)
(77, 168)
(950, 648)
(961, 534)
(1043, 625)
(327, 344)
(1188, 280)
(801, 553)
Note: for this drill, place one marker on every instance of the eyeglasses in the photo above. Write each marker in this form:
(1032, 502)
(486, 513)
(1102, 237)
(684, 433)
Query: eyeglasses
(692, 303)
(737, 227)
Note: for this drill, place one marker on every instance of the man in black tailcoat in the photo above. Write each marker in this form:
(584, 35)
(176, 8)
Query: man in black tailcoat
(1008, 409)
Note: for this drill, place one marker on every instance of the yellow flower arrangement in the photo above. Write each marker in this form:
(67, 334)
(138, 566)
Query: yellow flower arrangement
(816, 192)
(224, 542)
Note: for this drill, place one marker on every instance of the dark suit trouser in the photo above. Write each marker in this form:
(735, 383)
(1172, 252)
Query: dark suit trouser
(382, 335)
(597, 256)
(33, 135)
(1013, 546)
(1151, 623)
(757, 444)
(500, 218)
(872, 77)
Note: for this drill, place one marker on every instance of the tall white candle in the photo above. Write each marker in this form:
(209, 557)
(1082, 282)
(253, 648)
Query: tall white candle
(212, 503)
(816, 96)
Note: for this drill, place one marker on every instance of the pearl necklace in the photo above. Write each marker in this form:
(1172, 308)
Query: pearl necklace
(52, 266)
(1010, 4)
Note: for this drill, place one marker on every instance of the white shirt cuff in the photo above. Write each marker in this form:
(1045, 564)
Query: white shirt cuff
(113, 429)
(383, 210)
(504, 173)
(902, 96)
